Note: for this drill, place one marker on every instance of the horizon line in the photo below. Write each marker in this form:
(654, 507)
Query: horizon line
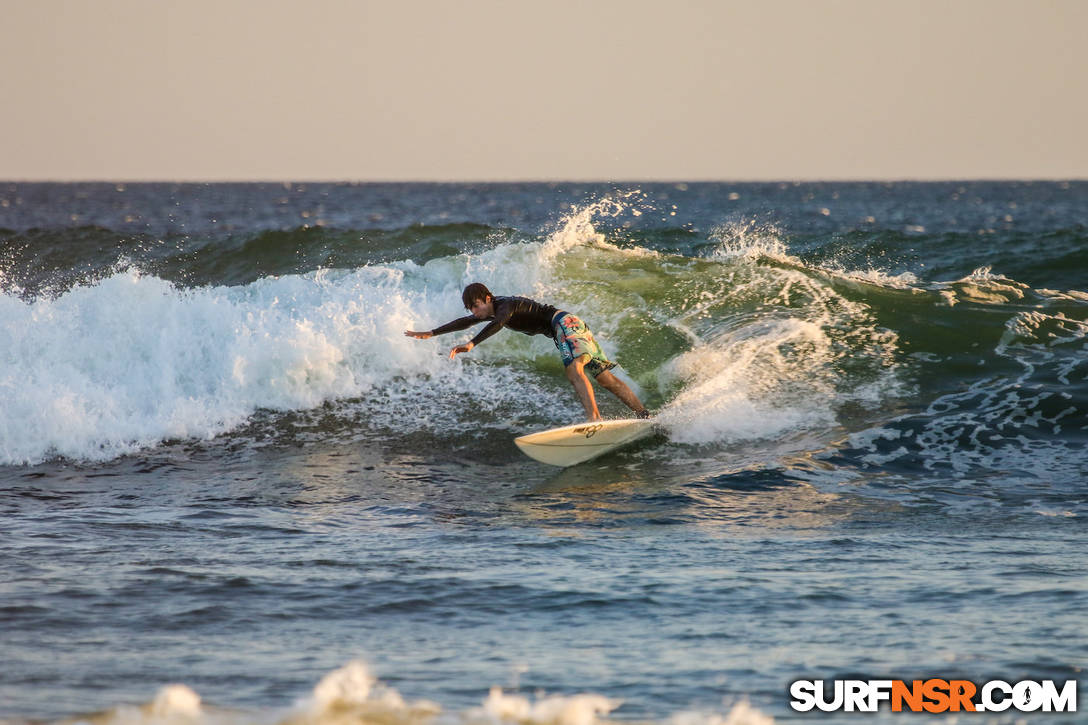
(531, 180)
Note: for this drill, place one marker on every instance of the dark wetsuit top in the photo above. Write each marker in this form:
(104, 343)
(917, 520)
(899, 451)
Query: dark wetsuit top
(517, 313)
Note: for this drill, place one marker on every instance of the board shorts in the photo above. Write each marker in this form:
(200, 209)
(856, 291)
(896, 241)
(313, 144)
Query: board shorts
(573, 339)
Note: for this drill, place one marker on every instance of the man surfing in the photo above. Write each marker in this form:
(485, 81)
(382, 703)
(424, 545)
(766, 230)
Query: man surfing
(579, 351)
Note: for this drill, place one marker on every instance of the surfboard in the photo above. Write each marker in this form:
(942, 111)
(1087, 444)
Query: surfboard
(578, 443)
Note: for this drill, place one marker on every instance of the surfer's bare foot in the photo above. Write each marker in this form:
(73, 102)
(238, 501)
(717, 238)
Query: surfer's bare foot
(644, 413)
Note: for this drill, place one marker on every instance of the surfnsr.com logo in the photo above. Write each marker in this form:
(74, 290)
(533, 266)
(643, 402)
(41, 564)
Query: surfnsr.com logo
(933, 695)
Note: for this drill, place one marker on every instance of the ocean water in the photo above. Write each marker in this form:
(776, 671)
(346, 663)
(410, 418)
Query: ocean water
(232, 490)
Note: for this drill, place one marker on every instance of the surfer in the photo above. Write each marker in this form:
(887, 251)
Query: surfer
(580, 352)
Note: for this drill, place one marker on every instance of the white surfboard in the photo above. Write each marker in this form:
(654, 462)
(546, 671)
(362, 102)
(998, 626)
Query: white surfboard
(580, 442)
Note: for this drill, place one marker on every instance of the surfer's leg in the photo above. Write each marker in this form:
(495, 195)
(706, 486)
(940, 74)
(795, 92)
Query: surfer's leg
(621, 390)
(576, 374)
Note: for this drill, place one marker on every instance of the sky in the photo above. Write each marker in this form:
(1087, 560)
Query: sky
(481, 90)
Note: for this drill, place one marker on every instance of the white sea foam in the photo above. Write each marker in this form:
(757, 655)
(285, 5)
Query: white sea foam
(750, 240)
(175, 702)
(582, 709)
(351, 695)
(880, 278)
(577, 228)
(779, 367)
(982, 286)
(103, 370)
(736, 389)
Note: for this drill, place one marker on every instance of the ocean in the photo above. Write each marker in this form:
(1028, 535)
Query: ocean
(233, 491)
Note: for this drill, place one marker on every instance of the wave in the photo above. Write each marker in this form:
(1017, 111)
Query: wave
(742, 341)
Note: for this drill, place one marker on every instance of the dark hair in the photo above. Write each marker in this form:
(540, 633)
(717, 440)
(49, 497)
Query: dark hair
(473, 292)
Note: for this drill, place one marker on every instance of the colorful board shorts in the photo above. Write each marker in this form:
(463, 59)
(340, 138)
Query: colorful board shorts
(573, 339)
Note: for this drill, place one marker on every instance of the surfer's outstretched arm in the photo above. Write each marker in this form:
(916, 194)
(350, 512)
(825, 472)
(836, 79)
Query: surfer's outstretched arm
(460, 324)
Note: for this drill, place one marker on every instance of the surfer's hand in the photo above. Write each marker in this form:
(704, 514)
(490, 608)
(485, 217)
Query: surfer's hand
(461, 348)
(418, 335)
